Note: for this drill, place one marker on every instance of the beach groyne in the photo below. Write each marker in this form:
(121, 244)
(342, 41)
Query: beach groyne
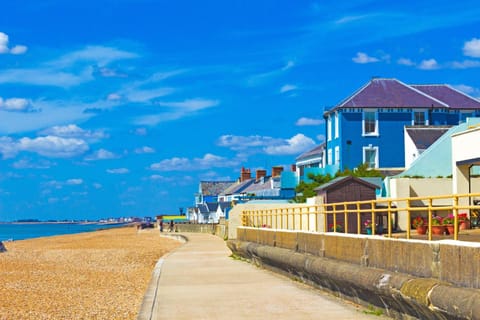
(406, 279)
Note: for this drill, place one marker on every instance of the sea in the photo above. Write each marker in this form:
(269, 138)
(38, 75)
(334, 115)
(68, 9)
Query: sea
(21, 231)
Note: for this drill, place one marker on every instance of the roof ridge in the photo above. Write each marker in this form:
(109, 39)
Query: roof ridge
(423, 93)
(462, 93)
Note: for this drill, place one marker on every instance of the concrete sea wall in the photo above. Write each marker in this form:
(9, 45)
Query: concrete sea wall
(407, 279)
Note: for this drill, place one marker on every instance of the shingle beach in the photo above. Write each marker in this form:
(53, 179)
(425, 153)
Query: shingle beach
(94, 275)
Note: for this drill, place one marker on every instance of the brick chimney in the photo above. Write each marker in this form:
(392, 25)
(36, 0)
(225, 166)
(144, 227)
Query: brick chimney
(245, 174)
(276, 171)
(260, 173)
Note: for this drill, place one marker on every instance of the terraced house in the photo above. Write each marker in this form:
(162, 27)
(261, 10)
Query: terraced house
(369, 126)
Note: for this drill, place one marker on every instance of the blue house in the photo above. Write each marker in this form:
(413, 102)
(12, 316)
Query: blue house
(368, 126)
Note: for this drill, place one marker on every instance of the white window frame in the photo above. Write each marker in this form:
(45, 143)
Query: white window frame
(337, 155)
(336, 129)
(329, 128)
(364, 154)
(329, 157)
(375, 132)
(425, 117)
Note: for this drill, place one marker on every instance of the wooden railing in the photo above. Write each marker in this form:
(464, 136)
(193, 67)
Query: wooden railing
(357, 215)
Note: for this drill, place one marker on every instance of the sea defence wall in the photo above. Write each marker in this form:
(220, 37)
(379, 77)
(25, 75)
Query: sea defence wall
(406, 278)
(218, 229)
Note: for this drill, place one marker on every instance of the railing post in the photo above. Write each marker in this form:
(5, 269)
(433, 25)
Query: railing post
(345, 217)
(409, 220)
(430, 206)
(389, 218)
(334, 218)
(455, 220)
(374, 225)
(359, 219)
(325, 218)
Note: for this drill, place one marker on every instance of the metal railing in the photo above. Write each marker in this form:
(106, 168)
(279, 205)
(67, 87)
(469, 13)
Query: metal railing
(357, 215)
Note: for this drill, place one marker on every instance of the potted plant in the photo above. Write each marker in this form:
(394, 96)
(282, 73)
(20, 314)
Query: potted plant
(337, 228)
(368, 226)
(449, 222)
(463, 221)
(437, 225)
(420, 225)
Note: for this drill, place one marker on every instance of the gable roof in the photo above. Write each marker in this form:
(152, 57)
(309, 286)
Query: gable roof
(424, 136)
(214, 188)
(315, 152)
(453, 98)
(389, 93)
(212, 206)
(341, 180)
(237, 187)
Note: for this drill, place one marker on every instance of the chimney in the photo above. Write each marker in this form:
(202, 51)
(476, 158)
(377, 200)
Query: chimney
(276, 171)
(260, 173)
(245, 174)
(293, 167)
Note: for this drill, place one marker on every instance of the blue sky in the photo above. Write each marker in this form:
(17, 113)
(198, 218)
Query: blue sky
(120, 107)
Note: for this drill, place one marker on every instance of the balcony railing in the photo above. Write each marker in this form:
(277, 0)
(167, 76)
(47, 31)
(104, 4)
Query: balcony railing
(353, 217)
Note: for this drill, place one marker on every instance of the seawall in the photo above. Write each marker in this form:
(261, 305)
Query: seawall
(407, 279)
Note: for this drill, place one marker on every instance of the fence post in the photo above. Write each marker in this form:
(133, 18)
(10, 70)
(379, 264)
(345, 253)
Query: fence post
(455, 221)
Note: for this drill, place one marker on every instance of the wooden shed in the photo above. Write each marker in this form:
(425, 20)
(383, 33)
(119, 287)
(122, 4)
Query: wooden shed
(346, 189)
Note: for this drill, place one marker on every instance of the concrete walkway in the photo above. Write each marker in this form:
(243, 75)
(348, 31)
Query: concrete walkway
(200, 281)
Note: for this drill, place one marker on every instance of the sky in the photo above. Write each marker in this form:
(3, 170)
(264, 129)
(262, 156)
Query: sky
(112, 108)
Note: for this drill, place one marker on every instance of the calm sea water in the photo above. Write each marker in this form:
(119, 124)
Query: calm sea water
(36, 230)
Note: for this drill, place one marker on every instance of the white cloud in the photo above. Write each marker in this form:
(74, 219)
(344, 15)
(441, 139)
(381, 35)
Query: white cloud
(191, 104)
(363, 58)
(295, 145)
(4, 46)
(19, 49)
(97, 185)
(118, 171)
(144, 95)
(287, 88)
(405, 62)
(28, 164)
(242, 142)
(101, 154)
(261, 78)
(309, 122)
(466, 64)
(321, 137)
(73, 182)
(15, 104)
(74, 131)
(208, 161)
(45, 77)
(289, 65)
(430, 64)
(49, 146)
(114, 97)
(472, 48)
(101, 55)
(141, 131)
(144, 149)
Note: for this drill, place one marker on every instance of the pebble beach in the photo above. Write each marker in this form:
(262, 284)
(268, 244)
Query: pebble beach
(93, 275)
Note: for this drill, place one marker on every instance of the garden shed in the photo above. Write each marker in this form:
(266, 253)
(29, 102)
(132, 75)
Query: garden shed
(347, 189)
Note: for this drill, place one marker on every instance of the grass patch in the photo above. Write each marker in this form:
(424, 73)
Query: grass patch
(374, 311)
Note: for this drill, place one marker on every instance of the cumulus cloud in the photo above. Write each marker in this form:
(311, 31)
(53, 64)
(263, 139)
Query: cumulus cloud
(73, 182)
(15, 104)
(114, 97)
(4, 46)
(184, 164)
(49, 146)
(144, 149)
(472, 48)
(118, 171)
(28, 164)
(246, 142)
(295, 145)
(101, 154)
(309, 122)
(363, 58)
(466, 64)
(430, 64)
(74, 131)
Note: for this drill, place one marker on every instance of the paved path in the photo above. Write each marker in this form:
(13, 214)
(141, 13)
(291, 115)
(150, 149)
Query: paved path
(200, 281)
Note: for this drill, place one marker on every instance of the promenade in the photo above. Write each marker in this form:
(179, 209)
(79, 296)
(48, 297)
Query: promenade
(200, 280)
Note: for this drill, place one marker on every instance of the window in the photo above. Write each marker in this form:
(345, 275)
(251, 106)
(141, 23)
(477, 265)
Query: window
(329, 128)
(336, 125)
(370, 123)
(370, 156)
(419, 118)
(337, 155)
(329, 156)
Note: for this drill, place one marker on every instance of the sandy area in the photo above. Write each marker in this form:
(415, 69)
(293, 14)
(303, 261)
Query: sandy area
(94, 275)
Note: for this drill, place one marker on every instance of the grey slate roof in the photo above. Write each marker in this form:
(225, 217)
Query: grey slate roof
(454, 98)
(339, 180)
(237, 187)
(214, 188)
(262, 184)
(424, 136)
(317, 151)
(392, 93)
